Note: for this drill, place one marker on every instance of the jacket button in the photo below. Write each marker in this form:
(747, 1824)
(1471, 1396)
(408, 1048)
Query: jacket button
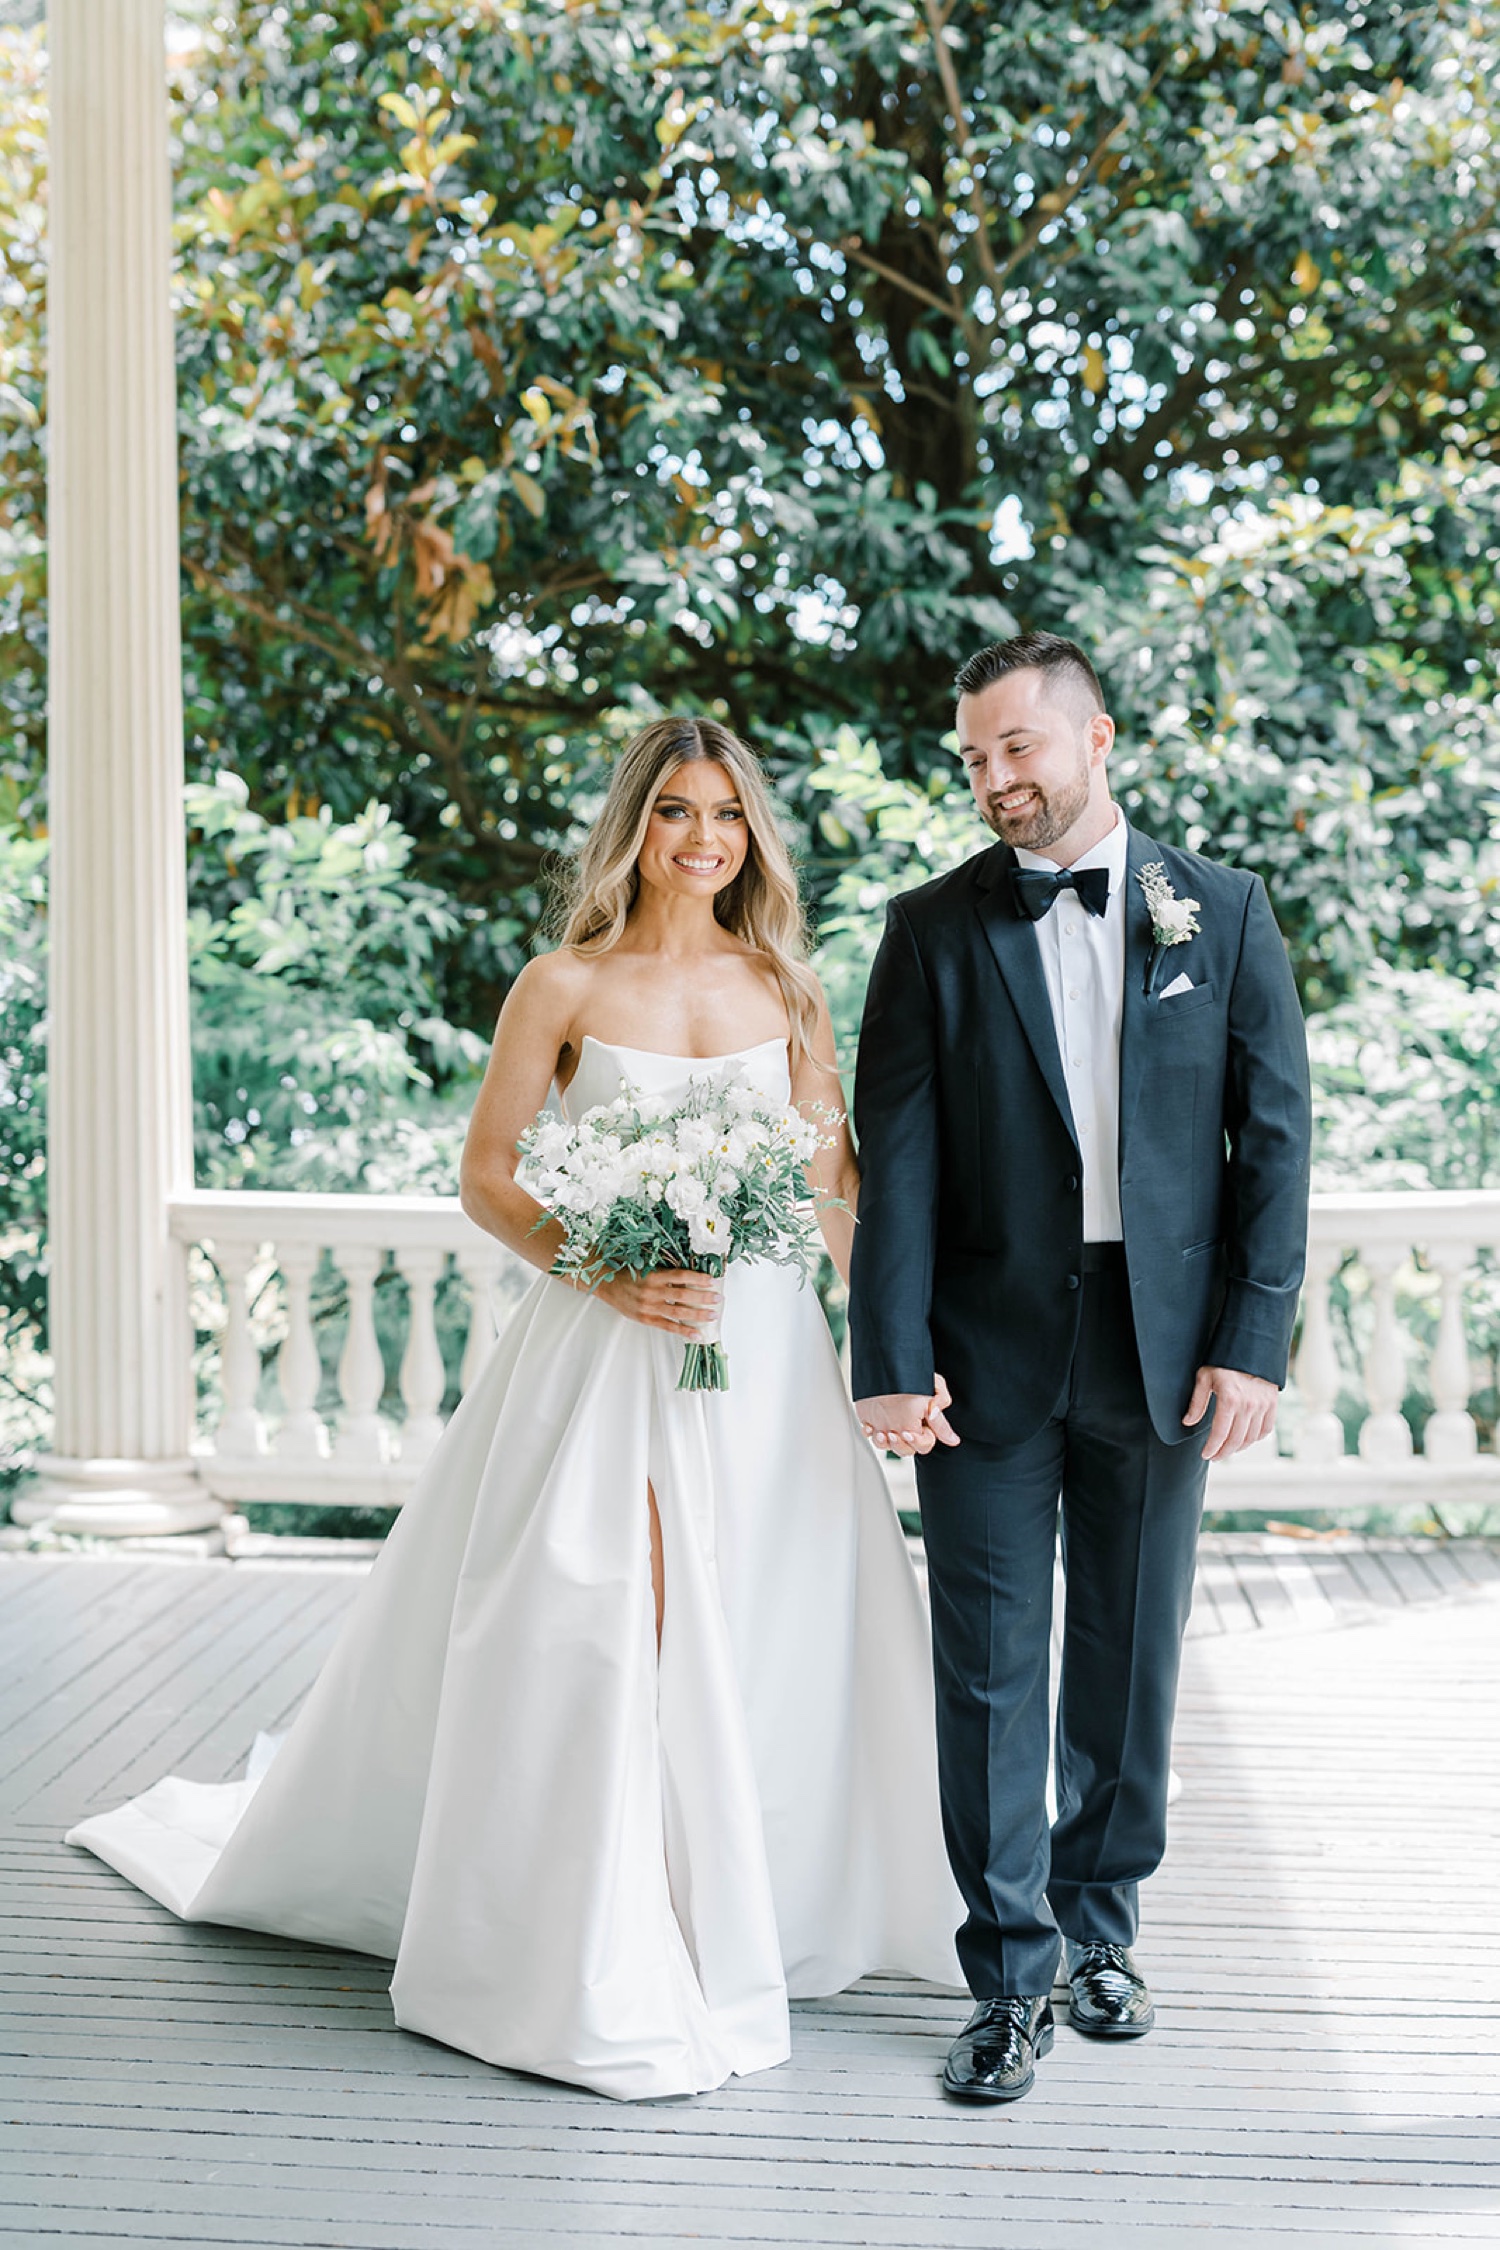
(1072, 1281)
(1072, 1183)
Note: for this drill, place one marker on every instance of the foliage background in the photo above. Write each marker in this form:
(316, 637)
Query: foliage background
(543, 367)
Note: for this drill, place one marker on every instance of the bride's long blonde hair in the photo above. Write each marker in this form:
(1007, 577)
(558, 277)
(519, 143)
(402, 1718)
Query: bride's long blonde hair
(762, 905)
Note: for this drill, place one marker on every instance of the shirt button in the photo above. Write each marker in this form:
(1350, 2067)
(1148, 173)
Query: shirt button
(1076, 1063)
(1070, 929)
(1072, 1281)
(1075, 994)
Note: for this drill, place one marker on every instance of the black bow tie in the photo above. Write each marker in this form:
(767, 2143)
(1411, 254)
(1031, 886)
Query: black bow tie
(1036, 891)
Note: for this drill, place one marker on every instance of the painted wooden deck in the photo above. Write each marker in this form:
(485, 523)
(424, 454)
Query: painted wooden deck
(1325, 1942)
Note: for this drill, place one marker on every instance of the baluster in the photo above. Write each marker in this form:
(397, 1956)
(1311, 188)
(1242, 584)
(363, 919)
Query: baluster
(1450, 1434)
(362, 1433)
(298, 1367)
(480, 1264)
(241, 1432)
(1385, 1436)
(422, 1376)
(1320, 1433)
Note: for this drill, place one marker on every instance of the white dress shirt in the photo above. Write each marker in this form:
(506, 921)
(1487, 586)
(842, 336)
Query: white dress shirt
(1083, 961)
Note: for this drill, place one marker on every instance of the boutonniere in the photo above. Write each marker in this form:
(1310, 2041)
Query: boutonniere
(1173, 920)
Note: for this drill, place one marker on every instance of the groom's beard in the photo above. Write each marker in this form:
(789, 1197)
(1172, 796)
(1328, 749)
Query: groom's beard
(1044, 818)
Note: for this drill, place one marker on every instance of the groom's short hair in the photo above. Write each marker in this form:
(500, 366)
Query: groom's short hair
(1062, 660)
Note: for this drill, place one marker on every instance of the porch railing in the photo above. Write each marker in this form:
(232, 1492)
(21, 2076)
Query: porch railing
(335, 1332)
(327, 1366)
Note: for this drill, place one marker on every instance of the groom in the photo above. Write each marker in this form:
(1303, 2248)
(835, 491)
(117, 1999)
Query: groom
(1083, 1115)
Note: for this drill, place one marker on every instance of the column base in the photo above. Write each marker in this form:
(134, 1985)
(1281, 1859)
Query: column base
(118, 1499)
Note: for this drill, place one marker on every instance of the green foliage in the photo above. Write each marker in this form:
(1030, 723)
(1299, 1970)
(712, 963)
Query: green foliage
(321, 1058)
(23, 1084)
(1284, 702)
(541, 366)
(23, 146)
(888, 835)
(1408, 1081)
(1302, 693)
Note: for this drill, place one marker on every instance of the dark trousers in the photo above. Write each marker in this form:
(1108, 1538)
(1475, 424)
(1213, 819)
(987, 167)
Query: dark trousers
(1130, 1511)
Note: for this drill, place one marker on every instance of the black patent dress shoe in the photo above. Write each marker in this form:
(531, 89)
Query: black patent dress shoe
(1107, 1995)
(993, 2058)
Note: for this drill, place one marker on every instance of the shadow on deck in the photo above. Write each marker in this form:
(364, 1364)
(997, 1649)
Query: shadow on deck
(1322, 1940)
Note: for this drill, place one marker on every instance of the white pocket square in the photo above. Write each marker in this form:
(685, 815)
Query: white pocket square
(1184, 983)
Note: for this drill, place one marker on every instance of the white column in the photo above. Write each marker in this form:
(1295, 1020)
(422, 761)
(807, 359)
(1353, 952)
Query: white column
(120, 1091)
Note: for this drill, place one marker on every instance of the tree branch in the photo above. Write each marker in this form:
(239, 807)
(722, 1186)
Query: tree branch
(952, 305)
(314, 629)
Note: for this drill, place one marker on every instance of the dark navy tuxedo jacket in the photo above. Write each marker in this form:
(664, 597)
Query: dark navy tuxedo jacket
(967, 1256)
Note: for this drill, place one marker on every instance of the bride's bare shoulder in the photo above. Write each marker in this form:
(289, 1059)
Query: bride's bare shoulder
(560, 971)
(549, 990)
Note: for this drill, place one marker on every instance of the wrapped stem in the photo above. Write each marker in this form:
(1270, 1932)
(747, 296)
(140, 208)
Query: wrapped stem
(705, 1364)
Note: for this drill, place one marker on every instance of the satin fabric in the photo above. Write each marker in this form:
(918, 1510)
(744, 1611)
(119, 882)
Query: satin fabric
(587, 1858)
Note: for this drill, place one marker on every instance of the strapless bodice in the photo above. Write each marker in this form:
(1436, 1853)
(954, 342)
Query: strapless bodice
(604, 1071)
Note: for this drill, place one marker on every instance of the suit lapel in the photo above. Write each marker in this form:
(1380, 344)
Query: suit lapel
(1012, 941)
(1134, 1014)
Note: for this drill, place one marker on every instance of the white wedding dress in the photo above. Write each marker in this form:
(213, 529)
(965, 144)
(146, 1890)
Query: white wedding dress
(587, 1858)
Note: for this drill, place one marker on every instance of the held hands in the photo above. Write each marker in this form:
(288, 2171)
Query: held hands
(673, 1297)
(908, 1423)
(1244, 1410)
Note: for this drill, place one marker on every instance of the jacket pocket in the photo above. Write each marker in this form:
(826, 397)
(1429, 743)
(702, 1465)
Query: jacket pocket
(1185, 1003)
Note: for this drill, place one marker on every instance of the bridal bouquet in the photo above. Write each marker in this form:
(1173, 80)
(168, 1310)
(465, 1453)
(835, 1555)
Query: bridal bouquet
(642, 1182)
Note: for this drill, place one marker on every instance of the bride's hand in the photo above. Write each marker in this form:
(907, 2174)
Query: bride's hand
(673, 1298)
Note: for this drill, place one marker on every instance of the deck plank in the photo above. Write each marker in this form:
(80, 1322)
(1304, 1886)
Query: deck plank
(1326, 2070)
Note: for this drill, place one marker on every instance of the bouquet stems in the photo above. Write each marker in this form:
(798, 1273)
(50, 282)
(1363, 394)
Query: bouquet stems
(705, 1364)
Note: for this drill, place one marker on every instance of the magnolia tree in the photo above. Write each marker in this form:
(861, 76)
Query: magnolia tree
(541, 367)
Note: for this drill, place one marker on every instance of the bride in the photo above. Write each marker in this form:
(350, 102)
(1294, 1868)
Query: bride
(629, 1737)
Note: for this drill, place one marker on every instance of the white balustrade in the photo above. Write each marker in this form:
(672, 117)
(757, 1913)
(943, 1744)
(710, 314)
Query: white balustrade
(362, 1454)
(1385, 1316)
(1382, 1254)
(241, 1430)
(1385, 1435)
(1450, 1435)
(299, 1368)
(422, 1381)
(1320, 1436)
(362, 1433)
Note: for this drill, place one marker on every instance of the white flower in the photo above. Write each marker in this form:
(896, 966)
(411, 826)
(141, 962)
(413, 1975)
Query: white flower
(1173, 920)
(694, 1138)
(708, 1232)
(686, 1196)
(547, 1143)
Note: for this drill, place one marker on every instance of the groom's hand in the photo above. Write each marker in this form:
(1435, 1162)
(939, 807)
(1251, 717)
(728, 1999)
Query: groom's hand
(907, 1422)
(1244, 1410)
(937, 1421)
